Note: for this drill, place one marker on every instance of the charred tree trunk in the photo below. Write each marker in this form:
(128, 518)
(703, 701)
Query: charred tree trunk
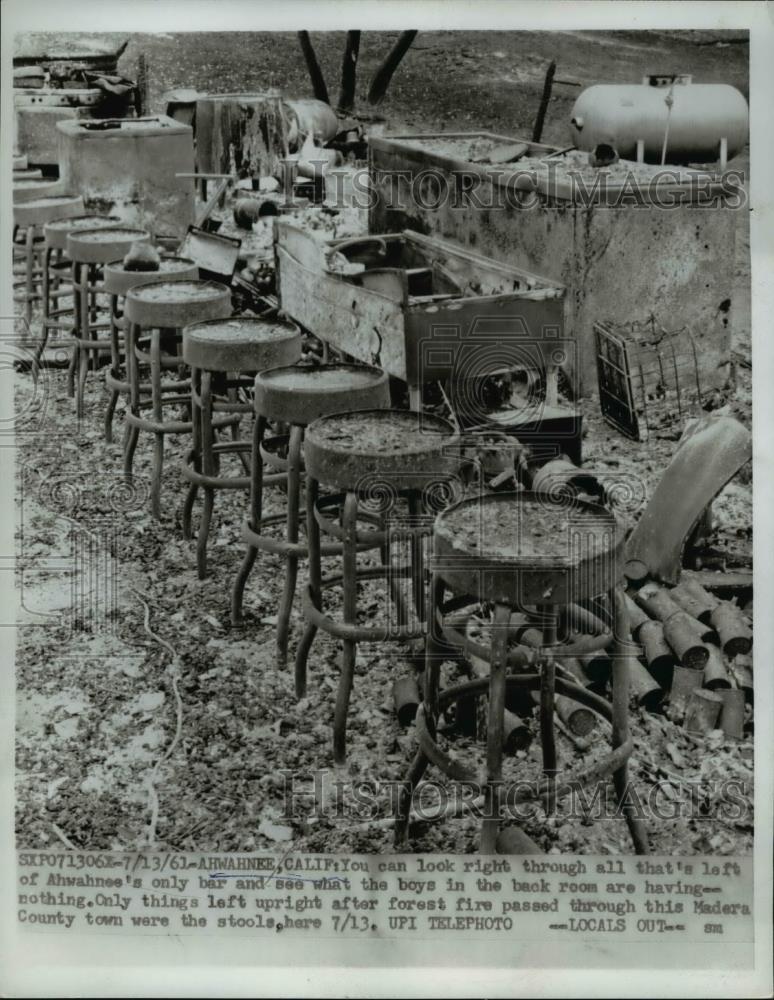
(349, 71)
(315, 73)
(384, 73)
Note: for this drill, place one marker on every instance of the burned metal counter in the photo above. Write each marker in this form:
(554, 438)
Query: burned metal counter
(624, 245)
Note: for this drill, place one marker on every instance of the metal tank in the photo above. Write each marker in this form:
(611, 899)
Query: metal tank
(697, 122)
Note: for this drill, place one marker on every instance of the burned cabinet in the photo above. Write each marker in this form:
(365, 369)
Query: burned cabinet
(423, 310)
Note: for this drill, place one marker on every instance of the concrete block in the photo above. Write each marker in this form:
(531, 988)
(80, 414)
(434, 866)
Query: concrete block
(130, 171)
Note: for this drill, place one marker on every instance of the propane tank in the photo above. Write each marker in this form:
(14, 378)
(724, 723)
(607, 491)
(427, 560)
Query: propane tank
(310, 117)
(701, 122)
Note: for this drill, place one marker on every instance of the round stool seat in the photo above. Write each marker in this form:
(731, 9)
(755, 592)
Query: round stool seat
(525, 548)
(117, 280)
(27, 174)
(57, 231)
(404, 447)
(176, 303)
(42, 210)
(299, 395)
(32, 188)
(99, 246)
(241, 345)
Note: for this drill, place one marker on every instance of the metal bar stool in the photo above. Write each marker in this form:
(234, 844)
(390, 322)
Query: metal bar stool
(116, 282)
(154, 316)
(89, 250)
(29, 218)
(295, 396)
(376, 459)
(221, 353)
(515, 550)
(57, 278)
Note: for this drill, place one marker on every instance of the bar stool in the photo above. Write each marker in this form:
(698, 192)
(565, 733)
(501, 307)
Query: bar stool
(514, 550)
(89, 250)
(220, 354)
(32, 188)
(116, 282)
(294, 396)
(28, 220)
(154, 316)
(393, 457)
(57, 276)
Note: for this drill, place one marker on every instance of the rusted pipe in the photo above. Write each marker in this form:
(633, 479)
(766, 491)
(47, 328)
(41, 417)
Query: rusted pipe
(513, 840)
(732, 713)
(684, 682)
(741, 668)
(658, 655)
(637, 616)
(735, 634)
(405, 698)
(620, 718)
(643, 686)
(715, 672)
(695, 605)
(703, 711)
(656, 602)
(681, 635)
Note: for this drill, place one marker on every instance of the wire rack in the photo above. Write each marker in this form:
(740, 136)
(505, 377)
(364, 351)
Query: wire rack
(649, 381)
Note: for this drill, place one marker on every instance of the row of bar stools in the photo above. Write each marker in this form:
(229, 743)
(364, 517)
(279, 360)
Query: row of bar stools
(295, 396)
(57, 275)
(222, 354)
(155, 314)
(116, 282)
(89, 250)
(514, 550)
(401, 454)
(29, 219)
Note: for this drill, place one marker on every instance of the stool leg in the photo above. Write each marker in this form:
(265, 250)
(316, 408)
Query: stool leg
(547, 695)
(45, 293)
(196, 448)
(349, 650)
(29, 245)
(254, 520)
(291, 561)
(637, 829)
(115, 368)
(433, 658)
(133, 374)
(157, 466)
(494, 732)
(71, 369)
(315, 582)
(209, 469)
(84, 334)
(417, 557)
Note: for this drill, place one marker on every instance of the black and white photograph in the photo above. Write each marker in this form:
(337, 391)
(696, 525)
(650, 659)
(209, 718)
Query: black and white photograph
(380, 474)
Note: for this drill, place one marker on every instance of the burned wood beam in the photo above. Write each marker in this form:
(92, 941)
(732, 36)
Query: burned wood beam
(349, 71)
(385, 72)
(315, 73)
(545, 97)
